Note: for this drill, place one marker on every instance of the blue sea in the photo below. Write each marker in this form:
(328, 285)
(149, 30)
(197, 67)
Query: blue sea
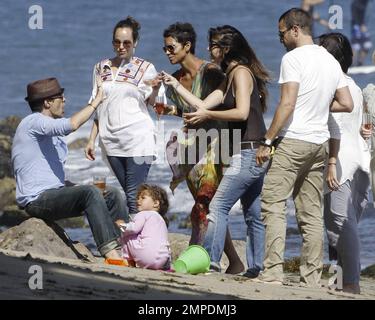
(76, 34)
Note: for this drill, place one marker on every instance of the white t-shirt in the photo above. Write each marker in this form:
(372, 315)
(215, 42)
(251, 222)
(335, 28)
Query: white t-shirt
(319, 76)
(126, 128)
(354, 152)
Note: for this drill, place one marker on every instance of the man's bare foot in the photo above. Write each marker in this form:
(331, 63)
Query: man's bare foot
(352, 288)
(235, 268)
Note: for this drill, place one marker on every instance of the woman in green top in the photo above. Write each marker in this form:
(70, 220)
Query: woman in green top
(200, 78)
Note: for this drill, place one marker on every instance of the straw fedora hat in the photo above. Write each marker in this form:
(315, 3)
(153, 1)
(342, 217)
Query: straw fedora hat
(43, 89)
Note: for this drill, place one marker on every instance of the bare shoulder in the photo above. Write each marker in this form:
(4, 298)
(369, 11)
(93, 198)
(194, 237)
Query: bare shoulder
(243, 74)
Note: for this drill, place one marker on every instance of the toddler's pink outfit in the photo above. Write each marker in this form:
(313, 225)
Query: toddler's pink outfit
(145, 240)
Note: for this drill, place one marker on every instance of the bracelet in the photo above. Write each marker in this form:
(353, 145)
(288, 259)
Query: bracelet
(90, 105)
(178, 84)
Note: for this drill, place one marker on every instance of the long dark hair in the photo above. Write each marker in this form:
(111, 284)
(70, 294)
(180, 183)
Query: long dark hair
(241, 52)
(131, 23)
(339, 46)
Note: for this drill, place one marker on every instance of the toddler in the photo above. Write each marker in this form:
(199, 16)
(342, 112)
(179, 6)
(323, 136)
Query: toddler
(145, 239)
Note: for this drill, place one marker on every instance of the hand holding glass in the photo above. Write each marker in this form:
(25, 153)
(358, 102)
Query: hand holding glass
(159, 105)
(367, 123)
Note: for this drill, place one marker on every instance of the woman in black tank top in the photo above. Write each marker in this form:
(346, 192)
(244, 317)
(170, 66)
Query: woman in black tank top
(242, 100)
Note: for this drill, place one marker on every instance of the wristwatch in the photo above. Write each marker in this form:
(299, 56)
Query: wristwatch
(266, 142)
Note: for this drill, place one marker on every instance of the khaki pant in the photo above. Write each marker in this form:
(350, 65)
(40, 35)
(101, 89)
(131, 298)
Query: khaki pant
(296, 170)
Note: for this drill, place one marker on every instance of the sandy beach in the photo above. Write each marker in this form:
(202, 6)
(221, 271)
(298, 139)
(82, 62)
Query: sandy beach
(73, 279)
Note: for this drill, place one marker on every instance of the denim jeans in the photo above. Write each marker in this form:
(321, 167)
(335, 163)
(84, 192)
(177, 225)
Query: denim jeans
(67, 202)
(131, 172)
(242, 180)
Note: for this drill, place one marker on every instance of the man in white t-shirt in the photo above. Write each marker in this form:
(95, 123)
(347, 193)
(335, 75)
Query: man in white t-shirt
(312, 85)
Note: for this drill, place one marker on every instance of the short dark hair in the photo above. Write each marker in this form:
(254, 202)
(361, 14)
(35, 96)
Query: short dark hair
(297, 16)
(37, 105)
(157, 194)
(339, 46)
(131, 23)
(183, 32)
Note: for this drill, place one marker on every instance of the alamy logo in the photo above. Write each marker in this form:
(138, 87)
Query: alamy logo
(36, 20)
(336, 20)
(36, 280)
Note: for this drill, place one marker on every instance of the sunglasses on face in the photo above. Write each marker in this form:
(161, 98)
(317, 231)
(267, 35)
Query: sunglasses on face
(57, 97)
(169, 49)
(117, 43)
(213, 45)
(282, 33)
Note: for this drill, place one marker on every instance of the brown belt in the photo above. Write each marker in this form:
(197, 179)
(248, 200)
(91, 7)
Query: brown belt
(250, 145)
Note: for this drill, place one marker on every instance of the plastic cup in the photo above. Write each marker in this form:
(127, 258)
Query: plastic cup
(193, 260)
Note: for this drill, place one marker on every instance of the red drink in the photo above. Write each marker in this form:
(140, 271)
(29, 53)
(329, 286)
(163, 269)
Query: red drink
(159, 106)
(100, 185)
(367, 126)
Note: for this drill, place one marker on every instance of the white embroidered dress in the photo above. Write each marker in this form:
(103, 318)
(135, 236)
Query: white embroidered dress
(126, 128)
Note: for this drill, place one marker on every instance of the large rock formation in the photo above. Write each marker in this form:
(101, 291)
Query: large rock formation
(8, 128)
(38, 237)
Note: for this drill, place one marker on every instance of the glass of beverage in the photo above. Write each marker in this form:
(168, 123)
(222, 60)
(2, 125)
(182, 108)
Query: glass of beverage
(100, 182)
(367, 123)
(159, 105)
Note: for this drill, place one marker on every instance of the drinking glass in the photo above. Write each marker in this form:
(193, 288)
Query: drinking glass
(159, 105)
(100, 182)
(367, 123)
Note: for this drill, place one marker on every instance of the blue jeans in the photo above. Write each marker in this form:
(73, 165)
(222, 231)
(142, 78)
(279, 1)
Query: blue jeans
(242, 180)
(131, 172)
(68, 202)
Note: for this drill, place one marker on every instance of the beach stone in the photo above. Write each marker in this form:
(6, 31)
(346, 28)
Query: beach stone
(78, 144)
(35, 236)
(7, 192)
(369, 271)
(13, 216)
(5, 154)
(8, 128)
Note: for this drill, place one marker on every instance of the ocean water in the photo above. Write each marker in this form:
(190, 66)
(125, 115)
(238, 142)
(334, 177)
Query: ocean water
(76, 34)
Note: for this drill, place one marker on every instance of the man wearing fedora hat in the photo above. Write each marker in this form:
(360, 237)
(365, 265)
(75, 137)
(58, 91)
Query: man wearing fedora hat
(38, 156)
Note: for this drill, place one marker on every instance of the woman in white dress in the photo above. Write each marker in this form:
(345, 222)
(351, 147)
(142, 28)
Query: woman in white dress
(123, 122)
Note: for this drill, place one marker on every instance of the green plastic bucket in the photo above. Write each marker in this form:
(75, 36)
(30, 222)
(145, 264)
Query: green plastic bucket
(193, 260)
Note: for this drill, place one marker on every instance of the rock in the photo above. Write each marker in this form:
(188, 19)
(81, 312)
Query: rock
(292, 266)
(5, 154)
(76, 222)
(78, 144)
(369, 271)
(185, 223)
(13, 216)
(9, 125)
(7, 192)
(35, 236)
(8, 128)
